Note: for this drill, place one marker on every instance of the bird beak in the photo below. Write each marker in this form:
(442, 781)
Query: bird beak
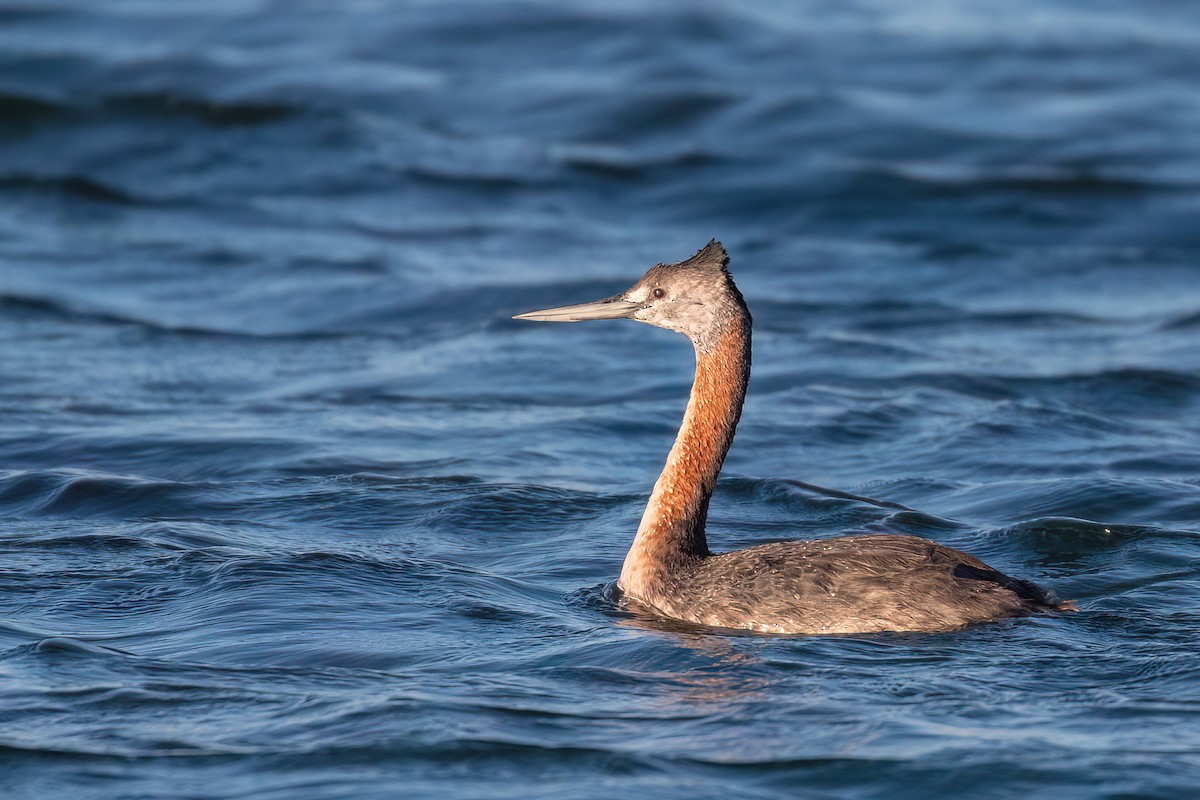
(610, 308)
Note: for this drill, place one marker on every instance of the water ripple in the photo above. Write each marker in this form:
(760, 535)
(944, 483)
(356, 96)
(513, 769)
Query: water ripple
(290, 507)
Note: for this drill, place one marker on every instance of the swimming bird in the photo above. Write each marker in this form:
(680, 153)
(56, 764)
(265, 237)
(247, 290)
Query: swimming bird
(846, 584)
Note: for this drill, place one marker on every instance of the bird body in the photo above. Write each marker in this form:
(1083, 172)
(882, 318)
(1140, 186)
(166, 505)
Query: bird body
(844, 584)
(848, 584)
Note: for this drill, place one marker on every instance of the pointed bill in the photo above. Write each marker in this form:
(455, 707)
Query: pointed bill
(610, 308)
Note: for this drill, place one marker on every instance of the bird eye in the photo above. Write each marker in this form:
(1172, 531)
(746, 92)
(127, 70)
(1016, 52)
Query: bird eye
(658, 293)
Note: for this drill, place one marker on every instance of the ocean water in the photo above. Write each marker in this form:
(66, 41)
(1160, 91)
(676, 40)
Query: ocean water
(291, 508)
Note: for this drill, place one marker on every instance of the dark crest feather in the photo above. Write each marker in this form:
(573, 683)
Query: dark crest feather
(711, 256)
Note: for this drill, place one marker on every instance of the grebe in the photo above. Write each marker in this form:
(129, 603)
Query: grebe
(849, 584)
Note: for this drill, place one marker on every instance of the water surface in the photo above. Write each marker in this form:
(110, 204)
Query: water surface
(291, 508)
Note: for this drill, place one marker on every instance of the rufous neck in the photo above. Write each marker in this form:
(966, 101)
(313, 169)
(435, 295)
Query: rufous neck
(671, 533)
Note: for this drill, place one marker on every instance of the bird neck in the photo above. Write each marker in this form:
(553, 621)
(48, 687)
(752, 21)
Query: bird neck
(671, 533)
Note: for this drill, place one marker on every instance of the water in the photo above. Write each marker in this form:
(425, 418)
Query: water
(290, 508)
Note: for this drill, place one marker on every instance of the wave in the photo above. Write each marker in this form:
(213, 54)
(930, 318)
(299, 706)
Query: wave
(1182, 323)
(939, 177)
(1074, 535)
(476, 178)
(68, 311)
(218, 113)
(70, 493)
(21, 108)
(18, 106)
(887, 315)
(80, 187)
(33, 305)
(627, 164)
(24, 105)
(1105, 389)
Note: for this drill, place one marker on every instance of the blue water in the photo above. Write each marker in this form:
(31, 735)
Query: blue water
(291, 508)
